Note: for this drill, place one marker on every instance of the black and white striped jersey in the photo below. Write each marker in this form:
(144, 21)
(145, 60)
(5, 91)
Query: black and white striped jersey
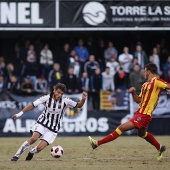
(53, 111)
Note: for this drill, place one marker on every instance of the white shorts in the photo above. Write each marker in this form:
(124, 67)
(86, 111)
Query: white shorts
(46, 134)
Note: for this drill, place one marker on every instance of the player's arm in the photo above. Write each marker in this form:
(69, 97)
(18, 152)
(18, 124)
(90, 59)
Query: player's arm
(168, 89)
(163, 85)
(31, 106)
(136, 98)
(82, 101)
(26, 109)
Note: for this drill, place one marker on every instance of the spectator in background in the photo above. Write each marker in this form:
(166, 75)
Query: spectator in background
(136, 78)
(120, 80)
(41, 85)
(70, 80)
(10, 70)
(31, 51)
(18, 43)
(22, 57)
(46, 61)
(3, 70)
(31, 65)
(100, 54)
(55, 76)
(110, 51)
(112, 64)
(13, 85)
(72, 54)
(90, 46)
(163, 53)
(2, 83)
(107, 80)
(167, 77)
(141, 55)
(90, 66)
(151, 59)
(64, 58)
(84, 82)
(166, 67)
(76, 65)
(27, 87)
(156, 59)
(133, 63)
(23, 52)
(38, 43)
(125, 60)
(95, 87)
(82, 52)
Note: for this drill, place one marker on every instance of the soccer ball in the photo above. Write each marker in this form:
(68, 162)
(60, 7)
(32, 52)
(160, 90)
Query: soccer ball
(57, 151)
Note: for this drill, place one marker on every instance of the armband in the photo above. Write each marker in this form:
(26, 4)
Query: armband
(20, 114)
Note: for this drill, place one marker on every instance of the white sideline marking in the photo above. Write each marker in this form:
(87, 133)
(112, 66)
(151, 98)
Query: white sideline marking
(76, 159)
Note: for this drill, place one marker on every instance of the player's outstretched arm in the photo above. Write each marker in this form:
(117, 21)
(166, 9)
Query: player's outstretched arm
(82, 101)
(168, 89)
(136, 98)
(27, 108)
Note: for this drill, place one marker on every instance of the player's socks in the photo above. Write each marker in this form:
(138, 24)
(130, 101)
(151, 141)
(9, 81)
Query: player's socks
(22, 149)
(151, 139)
(112, 136)
(34, 150)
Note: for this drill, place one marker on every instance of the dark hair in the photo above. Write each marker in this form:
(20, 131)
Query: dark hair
(61, 87)
(152, 68)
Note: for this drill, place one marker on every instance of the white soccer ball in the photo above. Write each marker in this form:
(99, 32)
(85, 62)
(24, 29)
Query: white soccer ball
(57, 151)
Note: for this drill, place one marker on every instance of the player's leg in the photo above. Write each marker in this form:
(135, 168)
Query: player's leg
(112, 136)
(47, 138)
(42, 144)
(25, 146)
(151, 139)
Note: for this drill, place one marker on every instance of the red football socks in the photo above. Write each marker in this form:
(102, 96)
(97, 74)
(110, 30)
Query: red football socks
(151, 139)
(112, 136)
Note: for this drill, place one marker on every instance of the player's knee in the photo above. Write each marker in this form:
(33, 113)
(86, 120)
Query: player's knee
(32, 140)
(120, 128)
(141, 134)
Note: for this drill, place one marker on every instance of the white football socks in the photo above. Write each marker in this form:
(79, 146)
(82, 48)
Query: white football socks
(22, 149)
(34, 150)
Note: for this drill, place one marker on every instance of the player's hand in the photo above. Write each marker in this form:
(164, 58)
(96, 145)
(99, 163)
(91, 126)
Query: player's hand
(84, 95)
(132, 90)
(15, 116)
(168, 91)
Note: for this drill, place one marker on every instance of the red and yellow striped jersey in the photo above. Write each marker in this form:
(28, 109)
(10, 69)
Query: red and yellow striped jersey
(149, 94)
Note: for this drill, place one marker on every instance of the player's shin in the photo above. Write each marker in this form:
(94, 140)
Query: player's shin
(22, 149)
(151, 139)
(112, 136)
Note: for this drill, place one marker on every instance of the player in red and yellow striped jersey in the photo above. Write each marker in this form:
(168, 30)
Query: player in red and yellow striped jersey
(147, 100)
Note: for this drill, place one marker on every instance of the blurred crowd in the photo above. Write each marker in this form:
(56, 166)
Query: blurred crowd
(82, 66)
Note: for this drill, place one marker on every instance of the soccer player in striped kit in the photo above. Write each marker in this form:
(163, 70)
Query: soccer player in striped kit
(147, 100)
(48, 123)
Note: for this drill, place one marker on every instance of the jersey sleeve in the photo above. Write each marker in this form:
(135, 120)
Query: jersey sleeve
(140, 95)
(70, 103)
(41, 100)
(161, 83)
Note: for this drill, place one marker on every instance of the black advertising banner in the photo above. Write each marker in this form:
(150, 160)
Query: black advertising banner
(115, 15)
(27, 14)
